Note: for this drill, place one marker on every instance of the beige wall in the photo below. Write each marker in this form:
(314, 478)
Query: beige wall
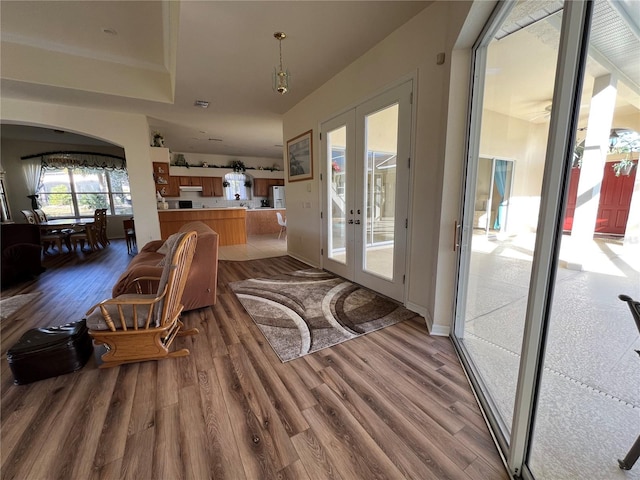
(131, 132)
(410, 51)
(523, 142)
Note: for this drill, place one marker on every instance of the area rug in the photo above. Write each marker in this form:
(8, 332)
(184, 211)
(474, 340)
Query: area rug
(307, 310)
(10, 305)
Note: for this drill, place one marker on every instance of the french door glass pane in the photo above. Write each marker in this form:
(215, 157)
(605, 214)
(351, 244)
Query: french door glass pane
(336, 154)
(380, 191)
(516, 102)
(588, 410)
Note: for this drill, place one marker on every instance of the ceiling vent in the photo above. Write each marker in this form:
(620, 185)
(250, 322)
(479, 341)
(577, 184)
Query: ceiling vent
(201, 104)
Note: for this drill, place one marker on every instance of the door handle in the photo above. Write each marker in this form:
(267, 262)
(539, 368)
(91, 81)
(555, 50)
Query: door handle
(456, 229)
(358, 211)
(350, 222)
(357, 222)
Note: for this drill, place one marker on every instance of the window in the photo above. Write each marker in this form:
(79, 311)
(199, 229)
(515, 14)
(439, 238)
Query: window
(77, 192)
(237, 186)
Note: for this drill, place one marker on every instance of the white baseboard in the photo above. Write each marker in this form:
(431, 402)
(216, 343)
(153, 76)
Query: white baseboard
(438, 330)
(303, 260)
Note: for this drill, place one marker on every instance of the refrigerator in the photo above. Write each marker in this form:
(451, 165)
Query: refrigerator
(276, 197)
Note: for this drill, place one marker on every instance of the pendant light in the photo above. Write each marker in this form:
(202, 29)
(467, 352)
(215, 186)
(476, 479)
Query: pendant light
(281, 77)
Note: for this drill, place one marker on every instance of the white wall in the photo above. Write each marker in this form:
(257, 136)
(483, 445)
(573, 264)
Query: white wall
(409, 51)
(128, 131)
(196, 159)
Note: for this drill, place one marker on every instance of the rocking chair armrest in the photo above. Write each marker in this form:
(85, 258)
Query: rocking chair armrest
(131, 301)
(126, 301)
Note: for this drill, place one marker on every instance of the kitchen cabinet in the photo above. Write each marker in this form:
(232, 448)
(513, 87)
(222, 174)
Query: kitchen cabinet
(190, 181)
(212, 187)
(165, 185)
(174, 187)
(261, 186)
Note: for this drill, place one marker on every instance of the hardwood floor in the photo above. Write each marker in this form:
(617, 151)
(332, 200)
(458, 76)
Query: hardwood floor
(392, 404)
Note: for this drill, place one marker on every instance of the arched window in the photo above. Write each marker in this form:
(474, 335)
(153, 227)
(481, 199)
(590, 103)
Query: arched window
(237, 186)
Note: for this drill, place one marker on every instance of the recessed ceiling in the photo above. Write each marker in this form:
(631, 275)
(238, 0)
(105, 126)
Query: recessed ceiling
(221, 51)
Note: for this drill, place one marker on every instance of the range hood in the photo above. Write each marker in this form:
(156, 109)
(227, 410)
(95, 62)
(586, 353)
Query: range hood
(189, 188)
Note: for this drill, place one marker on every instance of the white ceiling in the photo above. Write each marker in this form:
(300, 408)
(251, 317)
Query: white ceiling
(220, 51)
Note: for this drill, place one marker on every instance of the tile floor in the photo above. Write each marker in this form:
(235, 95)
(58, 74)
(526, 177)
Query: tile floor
(589, 404)
(257, 246)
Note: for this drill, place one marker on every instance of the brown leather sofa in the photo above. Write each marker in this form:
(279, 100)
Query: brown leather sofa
(200, 290)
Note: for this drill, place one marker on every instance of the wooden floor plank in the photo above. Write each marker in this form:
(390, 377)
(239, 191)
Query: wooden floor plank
(392, 404)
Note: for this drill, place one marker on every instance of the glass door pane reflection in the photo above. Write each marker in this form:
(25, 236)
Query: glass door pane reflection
(336, 153)
(588, 410)
(505, 208)
(380, 191)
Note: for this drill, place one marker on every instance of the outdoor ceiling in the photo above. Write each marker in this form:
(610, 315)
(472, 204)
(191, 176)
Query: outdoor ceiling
(522, 87)
(166, 55)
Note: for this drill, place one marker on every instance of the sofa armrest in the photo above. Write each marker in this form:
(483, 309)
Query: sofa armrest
(127, 281)
(152, 246)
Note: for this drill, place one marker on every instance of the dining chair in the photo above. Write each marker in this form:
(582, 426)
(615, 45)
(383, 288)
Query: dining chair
(41, 217)
(47, 238)
(129, 234)
(282, 223)
(91, 233)
(102, 230)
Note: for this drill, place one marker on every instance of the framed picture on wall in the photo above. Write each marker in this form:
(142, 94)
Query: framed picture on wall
(300, 157)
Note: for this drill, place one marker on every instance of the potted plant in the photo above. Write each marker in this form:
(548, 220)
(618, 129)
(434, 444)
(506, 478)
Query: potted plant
(158, 140)
(237, 166)
(623, 167)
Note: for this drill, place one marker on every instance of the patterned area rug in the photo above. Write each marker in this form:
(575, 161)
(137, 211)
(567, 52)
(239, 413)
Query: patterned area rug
(10, 305)
(307, 310)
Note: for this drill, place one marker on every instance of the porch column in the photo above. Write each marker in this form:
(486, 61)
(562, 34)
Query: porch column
(596, 146)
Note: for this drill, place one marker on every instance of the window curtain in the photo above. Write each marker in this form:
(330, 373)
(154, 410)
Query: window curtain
(500, 178)
(236, 186)
(32, 171)
(60, 160)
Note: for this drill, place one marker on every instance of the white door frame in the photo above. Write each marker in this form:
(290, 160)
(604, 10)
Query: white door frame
(355, 202)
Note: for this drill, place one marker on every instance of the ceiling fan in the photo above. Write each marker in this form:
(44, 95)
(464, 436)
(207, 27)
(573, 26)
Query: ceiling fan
(541, 115)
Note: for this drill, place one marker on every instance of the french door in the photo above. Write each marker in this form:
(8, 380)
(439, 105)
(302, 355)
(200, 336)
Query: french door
(365, 154)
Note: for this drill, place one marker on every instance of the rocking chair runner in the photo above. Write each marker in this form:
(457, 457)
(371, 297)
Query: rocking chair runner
(139, 327)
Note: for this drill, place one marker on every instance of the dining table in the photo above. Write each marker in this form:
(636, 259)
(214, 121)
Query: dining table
(64, 223)
(69, 224)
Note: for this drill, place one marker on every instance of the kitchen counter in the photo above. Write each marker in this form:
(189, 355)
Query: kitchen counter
(229, 223)
(263, 221)
(202, 209)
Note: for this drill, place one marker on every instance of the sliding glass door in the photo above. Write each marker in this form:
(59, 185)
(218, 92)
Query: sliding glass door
(538, 324)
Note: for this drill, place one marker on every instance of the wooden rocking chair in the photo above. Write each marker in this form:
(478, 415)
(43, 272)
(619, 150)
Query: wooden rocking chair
(139, 327)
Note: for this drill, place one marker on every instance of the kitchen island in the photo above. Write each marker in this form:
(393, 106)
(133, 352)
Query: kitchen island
(263, 221)
(229, 222)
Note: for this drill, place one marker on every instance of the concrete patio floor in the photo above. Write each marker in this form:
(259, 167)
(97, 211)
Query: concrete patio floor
(589, 407)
